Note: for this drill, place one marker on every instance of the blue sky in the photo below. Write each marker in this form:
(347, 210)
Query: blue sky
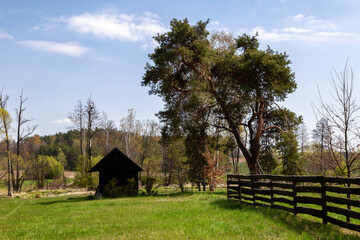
(62, 51)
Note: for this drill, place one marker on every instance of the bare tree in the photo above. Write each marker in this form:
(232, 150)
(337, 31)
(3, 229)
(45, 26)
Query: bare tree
(343, 118)
(130, 127)
(92, 121)
(107, 126)
(77, 117)
(5, 127)
(21, 135)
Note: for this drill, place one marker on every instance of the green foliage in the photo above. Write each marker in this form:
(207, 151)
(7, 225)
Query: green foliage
(6, 120)
(50, 167)
(203, 78)
(61, 158)
(46, 167)
(195, 143)
(83, 179)
(113, 190)
(86, 180)
(149, 185)
(267, 161)
(291, 161)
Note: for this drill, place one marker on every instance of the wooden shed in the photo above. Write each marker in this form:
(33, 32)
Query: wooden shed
(116, 165)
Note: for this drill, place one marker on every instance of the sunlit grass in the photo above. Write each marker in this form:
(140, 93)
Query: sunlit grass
(168, 216)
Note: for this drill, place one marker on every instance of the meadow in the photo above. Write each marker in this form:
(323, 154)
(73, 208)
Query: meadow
(170, 215)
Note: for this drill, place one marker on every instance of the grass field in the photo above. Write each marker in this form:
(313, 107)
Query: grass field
(170, 215)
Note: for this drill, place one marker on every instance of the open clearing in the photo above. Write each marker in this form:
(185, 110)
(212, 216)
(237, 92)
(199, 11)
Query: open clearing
(170, 215)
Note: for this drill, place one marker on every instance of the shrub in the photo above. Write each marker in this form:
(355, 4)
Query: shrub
(113, 190)
(86, 180)
(149, 184)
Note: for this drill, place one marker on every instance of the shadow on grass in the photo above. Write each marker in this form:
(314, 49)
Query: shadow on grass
(68, 200)
(176, 194)
(291, 222)
(91, 198)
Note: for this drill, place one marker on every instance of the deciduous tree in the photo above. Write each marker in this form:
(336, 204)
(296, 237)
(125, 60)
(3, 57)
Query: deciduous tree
(21, 134)
(342, 117)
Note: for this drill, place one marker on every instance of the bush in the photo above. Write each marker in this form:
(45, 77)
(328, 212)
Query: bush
(112, 189)
(149, 184)
(86, 180)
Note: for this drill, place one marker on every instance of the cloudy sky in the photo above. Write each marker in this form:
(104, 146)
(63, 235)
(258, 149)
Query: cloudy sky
(63, 51)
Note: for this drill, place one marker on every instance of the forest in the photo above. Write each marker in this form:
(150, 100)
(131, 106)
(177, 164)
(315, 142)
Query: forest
(222, 114)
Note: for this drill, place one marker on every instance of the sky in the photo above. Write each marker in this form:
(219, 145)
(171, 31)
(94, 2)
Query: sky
(61, 51)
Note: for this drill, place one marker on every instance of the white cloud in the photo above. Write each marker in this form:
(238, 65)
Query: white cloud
(312, 22)
(67, 48)
(117, 26)
(35, 28)
(281, 35)
(62, 121)
(214, 23)
(297, 18)
(306, 28)
(5, 35)
(296, 30)
(43, 27)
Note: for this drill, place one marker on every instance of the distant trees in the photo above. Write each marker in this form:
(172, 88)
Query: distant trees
(131, 128)
(321, 159)
(107, 126)
(231, 78)
(77, 117)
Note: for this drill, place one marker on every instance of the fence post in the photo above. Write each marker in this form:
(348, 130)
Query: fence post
(348, 219)
(227, 186)
(271, 192)
(294, 195)
(239, 188)
(323, 198)
(252, 189)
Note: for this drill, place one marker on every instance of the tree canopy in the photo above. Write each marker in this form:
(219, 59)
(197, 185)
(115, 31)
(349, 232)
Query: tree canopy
(228, 80)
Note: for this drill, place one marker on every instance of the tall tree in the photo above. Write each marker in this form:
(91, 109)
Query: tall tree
(92, 121)
(236, 81)
(21, 135)
(5, 126)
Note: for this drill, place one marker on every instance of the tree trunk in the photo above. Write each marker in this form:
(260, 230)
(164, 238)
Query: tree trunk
(9, 167)
(170, 170)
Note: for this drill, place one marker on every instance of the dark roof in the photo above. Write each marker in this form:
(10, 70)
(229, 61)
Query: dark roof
(116, 161)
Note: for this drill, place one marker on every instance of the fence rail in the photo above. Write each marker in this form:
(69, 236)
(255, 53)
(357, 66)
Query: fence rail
(333, 199)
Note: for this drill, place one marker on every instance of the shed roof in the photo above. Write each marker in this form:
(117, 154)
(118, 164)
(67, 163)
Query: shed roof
(116, 161)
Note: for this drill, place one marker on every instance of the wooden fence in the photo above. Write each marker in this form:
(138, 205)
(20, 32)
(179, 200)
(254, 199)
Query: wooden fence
(333, 199)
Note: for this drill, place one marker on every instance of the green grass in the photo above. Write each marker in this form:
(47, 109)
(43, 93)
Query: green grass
(168, 216)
